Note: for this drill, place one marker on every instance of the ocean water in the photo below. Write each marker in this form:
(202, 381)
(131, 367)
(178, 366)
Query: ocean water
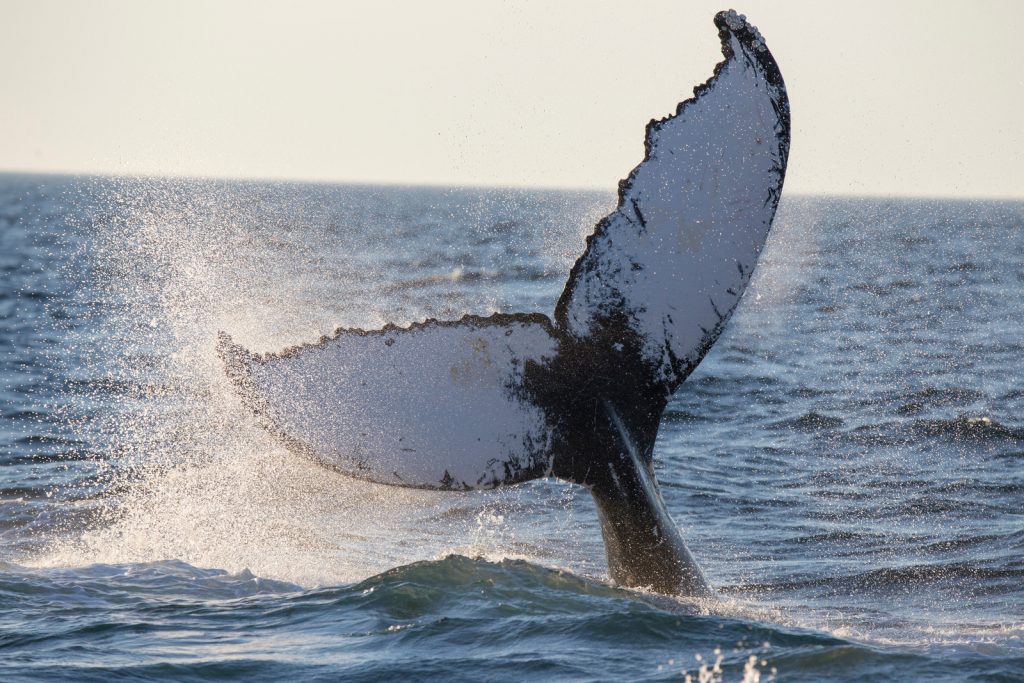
(847, 464)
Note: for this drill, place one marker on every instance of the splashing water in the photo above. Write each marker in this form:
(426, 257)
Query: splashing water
(195, 477)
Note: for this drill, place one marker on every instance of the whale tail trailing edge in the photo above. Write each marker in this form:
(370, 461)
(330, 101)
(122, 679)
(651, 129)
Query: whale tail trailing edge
(482, 402)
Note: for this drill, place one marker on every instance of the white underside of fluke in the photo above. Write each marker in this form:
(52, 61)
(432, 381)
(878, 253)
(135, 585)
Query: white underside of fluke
(444, 404)
(439, 405)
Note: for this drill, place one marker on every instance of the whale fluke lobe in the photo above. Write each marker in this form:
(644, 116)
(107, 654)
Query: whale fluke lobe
(669, 265)
(435, 405)
(483, 402)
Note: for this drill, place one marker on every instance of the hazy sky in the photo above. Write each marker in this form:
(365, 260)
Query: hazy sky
(893, 97)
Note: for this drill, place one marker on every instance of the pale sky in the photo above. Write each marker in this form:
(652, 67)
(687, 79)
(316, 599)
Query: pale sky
(888, 98)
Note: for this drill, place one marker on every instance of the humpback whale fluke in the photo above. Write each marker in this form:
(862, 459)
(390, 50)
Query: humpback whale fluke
(482, 402)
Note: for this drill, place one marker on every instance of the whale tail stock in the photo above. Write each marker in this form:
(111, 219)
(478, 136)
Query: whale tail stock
(483, 402)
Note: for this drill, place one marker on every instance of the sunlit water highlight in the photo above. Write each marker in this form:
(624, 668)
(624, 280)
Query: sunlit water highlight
(846, 464)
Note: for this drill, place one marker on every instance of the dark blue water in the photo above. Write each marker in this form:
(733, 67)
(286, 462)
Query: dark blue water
(847, 463)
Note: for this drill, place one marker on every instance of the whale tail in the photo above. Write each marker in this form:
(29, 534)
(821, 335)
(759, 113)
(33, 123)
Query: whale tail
(482, 402)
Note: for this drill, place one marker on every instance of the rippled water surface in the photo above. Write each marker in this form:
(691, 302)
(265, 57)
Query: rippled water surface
(847, 463)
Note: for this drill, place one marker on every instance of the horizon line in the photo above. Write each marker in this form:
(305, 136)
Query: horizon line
(441, 185)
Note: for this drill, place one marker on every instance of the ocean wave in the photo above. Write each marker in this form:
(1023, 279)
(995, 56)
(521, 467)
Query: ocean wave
(968, 428)
(933, 397)
(897, 578)
(108, 585)
(495, 618)
(964, 429)
(456, 618)
(811, 421)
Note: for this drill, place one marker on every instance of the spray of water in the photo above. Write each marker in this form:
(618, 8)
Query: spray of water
(188, 473)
